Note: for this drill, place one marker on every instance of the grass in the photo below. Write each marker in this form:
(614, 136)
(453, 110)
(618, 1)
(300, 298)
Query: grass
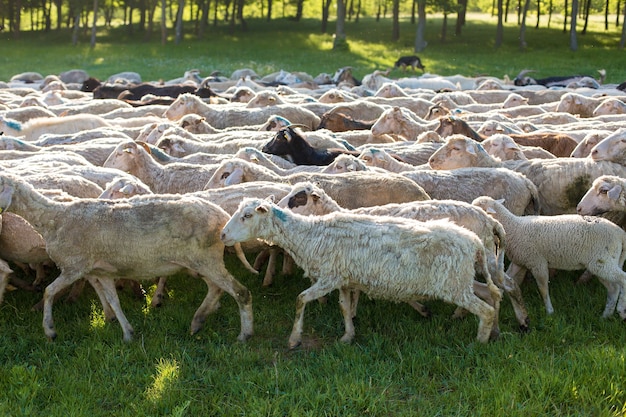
(571, 363)
(284, 44)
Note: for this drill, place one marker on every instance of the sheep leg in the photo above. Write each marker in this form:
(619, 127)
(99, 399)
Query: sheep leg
(512, 289)
(62, 281)
(159, 293)
(421, 308)
(4, 280)
(347, 310)
(106, 286)
(542, 277)
(486, 315)
(517, 272)
(271, 266)
(354, 302)
(319, 289)
(75, 291)
(287, 264)
(109, 314)
(261, 258)
(209, 305)
(219, 277)
(612, 295)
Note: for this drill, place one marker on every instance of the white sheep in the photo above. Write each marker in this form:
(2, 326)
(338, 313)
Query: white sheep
(606, 195)
(137, 238)
(174, 178)
(564, 242)
(380, 158)
(505, 148)
(611, 105)
(308, 199)
(578, 104)
(612, 148)
(227, 115)
(401, 122)
(347, 189)
(385, 257)
(590, 140)
(33, 129)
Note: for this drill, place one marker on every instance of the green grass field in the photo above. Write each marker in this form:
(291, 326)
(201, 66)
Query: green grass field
(572, 363)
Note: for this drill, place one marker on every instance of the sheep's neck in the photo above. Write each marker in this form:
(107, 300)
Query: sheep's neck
(35, 208)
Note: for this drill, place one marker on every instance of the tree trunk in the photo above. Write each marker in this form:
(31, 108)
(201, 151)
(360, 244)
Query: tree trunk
(325, 12)
(58, 4)
(178, 37)
(163, 26)
(500, 26)
(460, 20)
(17, 18)
(76, 27)
(92, 44)
(204, 20)
(299, 7)
(420, 41)
(623, 39)
(550, 8)
(506, 11)
(240, 6)
(340, 41)
(587, 9)
(565, 17)
(269, 10)
(573, 42)
(522, 30)
(538, 13)
(444, 27)
(395, 30)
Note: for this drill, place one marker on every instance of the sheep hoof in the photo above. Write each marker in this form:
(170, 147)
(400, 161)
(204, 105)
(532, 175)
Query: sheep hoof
(494, 335)
(294, 343)
(51, 336)
(243, 337)
(346, 338)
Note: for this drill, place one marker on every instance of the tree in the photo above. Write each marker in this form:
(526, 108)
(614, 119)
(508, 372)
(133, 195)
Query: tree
(340, 41)
(325, 13)
(500, 26)
(92, 43)
(522, 30)
(179, 22)
(573, 42)
(420, 42)
(395, 30)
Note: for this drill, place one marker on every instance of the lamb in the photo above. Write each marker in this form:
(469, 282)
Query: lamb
(567, 242)
(174, 178)
(347, 189)
(137, 238)
(307, 199)
(226, 116)
(33, 129)
(325, 247)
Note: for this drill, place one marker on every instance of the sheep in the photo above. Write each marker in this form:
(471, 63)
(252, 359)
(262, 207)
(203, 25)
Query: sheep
(265, 159)
(505, 148)
(565, 242)
(465, 184)
(347, 189)
(398, 121)
(380, 158)
(611, 105)
(612, 148)
(137, 238)
(34, 128)
(290, 144)
(265, 98)
(459, 151)
(325, 247)
(578, 104)
(308, 199)
(558, 144)
(590, 140)
(606, 195)
(178, 146)
(340, 122)
(174, 178)
(345, 163)
(222, 117)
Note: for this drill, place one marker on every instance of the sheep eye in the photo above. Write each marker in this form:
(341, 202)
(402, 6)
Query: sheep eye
(225, 175)
(247, 216)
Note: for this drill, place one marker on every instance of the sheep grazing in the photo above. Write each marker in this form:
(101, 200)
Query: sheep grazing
(289, 144)
(307, 199)
(392, 259)
(138, 238)
(565, 242)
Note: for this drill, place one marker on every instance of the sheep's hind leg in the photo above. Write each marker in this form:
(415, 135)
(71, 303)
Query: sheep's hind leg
(486, 315)
(218, 277)
(314, 292)
(107, 287)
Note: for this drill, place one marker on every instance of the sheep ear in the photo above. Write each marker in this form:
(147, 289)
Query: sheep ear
(271, 198)
(262, 208)
(500, 200)
(510, 145)
(235, 177)
(471, 148)
(315, 196)
(145, 146)
(490, 210)
(614, 192)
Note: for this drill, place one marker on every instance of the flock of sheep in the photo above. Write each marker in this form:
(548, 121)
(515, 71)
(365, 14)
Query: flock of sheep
(406, 189)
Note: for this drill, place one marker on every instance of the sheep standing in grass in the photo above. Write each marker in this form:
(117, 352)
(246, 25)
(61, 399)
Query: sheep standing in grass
(567, 242)
(138, 238)
(308, 199)
(389, 258)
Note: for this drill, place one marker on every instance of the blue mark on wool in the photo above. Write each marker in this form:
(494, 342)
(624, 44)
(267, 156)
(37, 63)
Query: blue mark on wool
(347, 145)
(12, 124)
(282, 119)
(159, 154)
(374, 150)
(279, 214)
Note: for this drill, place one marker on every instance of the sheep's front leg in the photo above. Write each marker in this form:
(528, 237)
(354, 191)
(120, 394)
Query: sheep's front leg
(346, 305)
(62, 281)
(317, 290)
